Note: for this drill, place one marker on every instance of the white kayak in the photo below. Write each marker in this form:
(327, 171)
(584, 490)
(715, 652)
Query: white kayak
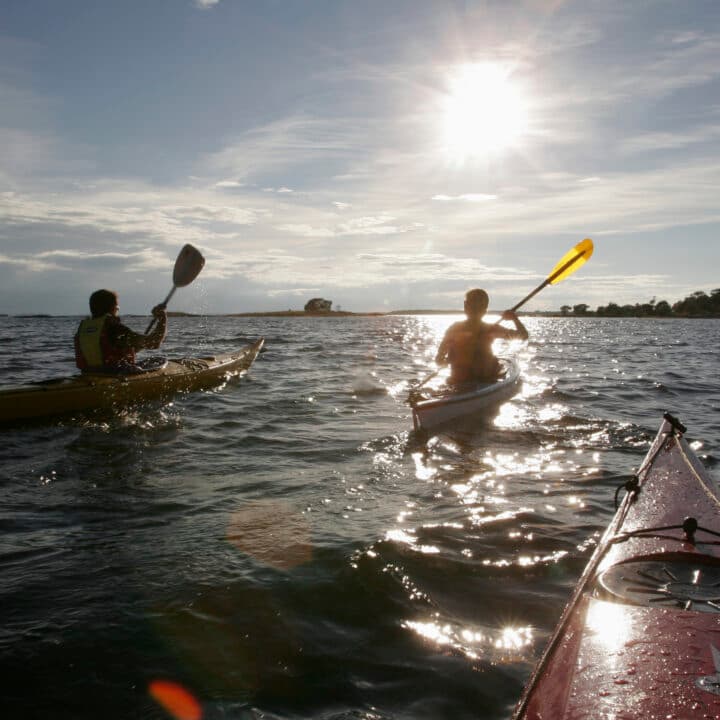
(435, 408)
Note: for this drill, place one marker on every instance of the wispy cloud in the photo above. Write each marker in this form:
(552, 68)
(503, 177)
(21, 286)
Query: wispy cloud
(677, 140)
(364, 270)
(282, 144)
(74, 261)
(466, 197)
(308, 231)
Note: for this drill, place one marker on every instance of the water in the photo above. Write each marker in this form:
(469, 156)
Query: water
(284, 547)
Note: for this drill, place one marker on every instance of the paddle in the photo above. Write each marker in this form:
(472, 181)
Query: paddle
(568, 264)
(415, 388)
(188, 265)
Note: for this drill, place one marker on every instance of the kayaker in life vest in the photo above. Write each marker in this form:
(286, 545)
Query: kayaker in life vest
(467, 345)
(104, 344)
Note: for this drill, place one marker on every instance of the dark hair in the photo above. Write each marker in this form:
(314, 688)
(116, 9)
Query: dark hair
(477, 300)
(102, 302)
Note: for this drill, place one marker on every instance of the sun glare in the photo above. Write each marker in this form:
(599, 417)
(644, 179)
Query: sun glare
(483, 112)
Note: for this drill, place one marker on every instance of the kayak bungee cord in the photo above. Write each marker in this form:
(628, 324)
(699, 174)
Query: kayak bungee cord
(650, 590)
(689, 526)
(632, 486)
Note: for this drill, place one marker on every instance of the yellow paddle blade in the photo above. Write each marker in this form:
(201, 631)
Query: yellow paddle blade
(571, 261)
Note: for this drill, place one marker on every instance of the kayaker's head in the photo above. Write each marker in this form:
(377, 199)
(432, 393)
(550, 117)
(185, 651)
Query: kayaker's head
(103, 302)
(476, 303)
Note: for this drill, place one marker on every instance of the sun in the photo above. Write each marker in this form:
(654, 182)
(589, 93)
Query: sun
(483, 112)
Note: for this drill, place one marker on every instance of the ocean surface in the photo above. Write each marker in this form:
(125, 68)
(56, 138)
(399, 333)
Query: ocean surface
(285, 547)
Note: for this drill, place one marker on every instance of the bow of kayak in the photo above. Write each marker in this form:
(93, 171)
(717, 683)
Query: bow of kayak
(640, 637)
(88, 392)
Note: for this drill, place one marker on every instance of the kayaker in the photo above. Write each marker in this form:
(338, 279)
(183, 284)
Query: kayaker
(104, 344)
(467, 345)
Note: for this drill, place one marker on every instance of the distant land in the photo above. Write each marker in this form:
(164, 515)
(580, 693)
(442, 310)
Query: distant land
(303, 313)
(339, 313)
(696, 305)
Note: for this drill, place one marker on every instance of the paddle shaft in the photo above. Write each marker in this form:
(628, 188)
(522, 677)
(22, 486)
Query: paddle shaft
(548, 280)
(427, 379)
(164, 302)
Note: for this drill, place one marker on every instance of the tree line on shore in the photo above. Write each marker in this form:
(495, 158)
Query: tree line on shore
(698, 304)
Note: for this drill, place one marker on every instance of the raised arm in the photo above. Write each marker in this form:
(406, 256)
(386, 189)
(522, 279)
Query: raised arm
(155, 338)
(125, 337)
(520, 332)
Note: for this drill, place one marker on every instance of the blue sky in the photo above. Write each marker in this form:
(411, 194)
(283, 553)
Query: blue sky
(383, 155)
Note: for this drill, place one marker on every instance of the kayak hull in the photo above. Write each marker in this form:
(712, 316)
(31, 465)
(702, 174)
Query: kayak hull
(89, 392)
(640, 637)
(440, 408)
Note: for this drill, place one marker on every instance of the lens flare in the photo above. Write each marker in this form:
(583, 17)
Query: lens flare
(175, 699)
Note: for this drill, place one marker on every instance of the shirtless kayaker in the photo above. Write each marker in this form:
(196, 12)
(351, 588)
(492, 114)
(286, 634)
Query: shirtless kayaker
(467, 345)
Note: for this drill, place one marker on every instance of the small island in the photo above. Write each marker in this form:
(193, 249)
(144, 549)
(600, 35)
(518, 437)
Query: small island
(315, 307)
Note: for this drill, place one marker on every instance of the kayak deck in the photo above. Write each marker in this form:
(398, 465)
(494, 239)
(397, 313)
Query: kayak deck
(89, 392)
(640, 636)
(433, 409)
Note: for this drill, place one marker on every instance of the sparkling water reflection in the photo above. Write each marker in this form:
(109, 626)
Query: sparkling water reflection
(286, 547)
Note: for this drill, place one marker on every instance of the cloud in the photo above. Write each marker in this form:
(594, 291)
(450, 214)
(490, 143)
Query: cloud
(466, 197)
(629, 288)
(686, 37)
(28, 155)
(306, 230)
(294, 291)
(677, 140)
(78, 261)
(206, 4)
(359, 226)
(367, 270)
(665, 68)
(264, 240)
(282, 144)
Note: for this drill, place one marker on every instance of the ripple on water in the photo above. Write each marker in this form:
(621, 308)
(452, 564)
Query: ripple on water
(285, 546)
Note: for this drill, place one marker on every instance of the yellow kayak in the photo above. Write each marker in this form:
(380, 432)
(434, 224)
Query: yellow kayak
(85, 392)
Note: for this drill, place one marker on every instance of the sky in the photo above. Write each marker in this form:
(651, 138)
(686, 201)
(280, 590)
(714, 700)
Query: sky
(384, 155)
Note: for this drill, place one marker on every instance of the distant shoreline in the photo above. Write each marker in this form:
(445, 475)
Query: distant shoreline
(347, 313)
(389, 313)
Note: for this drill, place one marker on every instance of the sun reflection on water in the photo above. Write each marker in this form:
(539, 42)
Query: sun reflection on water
(423, 470)
(503, 644)
(408, 538)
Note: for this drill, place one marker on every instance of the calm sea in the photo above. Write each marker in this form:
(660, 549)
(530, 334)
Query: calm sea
(284, 547)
